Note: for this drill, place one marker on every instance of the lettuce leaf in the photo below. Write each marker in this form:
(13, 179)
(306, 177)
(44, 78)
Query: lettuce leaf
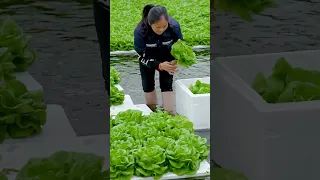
(116, 96)
(114, 76)
(121, 164)
(13, 38)
(183, 158)
(200, 88)
(288, 84)
(63, 165)
(243, 8)
(128, 116)
(183, 53)
(22, 113)
(302, 75)
(300, 91)
(150, 162)
(6, 65)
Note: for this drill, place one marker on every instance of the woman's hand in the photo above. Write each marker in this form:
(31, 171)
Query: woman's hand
(169, 67)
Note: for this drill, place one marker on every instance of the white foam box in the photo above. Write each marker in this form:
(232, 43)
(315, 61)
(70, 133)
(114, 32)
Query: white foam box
(264, 141)
(194, 106)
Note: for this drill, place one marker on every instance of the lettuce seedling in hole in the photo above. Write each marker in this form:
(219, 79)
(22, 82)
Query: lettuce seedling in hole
(13, 38)
(116, 96)
(150, 161)
(22, 113)
(121, 164)
(114, 76)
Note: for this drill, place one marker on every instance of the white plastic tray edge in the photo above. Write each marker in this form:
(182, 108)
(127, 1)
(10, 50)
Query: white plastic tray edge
(204, 170)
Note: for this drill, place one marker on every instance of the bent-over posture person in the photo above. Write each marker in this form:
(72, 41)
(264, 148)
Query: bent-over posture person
(153, 38)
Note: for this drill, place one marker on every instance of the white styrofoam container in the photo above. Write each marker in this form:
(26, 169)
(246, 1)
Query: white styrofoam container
(264, 141)
(195, 106)
(127, 104)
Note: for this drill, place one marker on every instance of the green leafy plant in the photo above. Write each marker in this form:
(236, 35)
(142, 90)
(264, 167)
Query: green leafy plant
(6, 65)
(114, 76)
(116, 96)
(3, 176)
(183, 54)
(152, 145)
(22, 113)
(150, 161)
(200, 88)
(64, 165)
(13, 38)
(243, 8)
(288, 84)
(125, 15)
(121, 164)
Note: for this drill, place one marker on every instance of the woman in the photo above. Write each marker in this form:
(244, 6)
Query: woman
(101, 10)
(153, 38)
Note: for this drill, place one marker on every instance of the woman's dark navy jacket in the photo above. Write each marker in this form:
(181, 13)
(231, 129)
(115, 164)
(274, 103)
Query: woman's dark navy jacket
(152, 48)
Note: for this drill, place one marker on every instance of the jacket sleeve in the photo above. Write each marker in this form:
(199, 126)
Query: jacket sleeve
(144, 57)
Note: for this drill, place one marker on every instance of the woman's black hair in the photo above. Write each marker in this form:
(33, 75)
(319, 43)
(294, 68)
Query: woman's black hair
(145, 11)
(152, 14)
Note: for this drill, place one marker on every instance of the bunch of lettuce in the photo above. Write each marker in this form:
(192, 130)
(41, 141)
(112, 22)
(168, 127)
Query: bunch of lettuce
(22, 113)
(183, 53)
(244, 8)
(288, 84)
(114, 76)
(64, 165)
(200, 88)
(152, 145)
(116, 96)
(13, 38)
